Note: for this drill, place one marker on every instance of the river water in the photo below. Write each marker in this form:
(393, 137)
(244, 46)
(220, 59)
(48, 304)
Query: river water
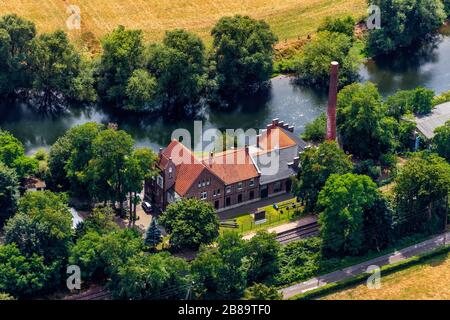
(428, 67)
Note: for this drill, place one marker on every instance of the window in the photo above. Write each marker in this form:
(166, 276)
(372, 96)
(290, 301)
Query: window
(240, 185)
(203, 183)
(208, 182)
(228, 190)
(160, 181)
(170, 172)
(218, 192)
(239, 199)
(252, 195)
(252, 182)
(214, 193)
(199, 184)
(204, 195)
(277, 187)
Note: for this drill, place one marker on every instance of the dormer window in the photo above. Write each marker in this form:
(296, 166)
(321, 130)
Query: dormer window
(240, 185)
(228, 190)
(170, 172)
(252, 182)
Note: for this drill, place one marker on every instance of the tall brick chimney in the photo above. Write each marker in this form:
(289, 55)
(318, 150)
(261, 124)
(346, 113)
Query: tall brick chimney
(332, 101)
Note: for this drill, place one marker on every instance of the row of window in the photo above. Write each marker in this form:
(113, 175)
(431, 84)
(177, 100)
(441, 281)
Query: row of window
(204, 183)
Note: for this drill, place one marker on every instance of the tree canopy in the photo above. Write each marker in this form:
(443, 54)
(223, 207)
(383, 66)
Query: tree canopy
(243, 53)
(403, 23)
(364, 128)
(441, 141)
(316, 165)
(9, 192)
(190, 223)
(313, 64)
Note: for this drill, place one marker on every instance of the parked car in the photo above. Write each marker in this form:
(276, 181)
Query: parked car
(147, 207)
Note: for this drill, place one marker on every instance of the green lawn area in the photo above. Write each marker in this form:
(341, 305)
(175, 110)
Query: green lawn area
(285, 214)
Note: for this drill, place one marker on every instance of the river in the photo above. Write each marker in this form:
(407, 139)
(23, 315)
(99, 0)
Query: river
(428, 67)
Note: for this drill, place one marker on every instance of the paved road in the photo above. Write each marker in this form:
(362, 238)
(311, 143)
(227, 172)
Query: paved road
(358, 269)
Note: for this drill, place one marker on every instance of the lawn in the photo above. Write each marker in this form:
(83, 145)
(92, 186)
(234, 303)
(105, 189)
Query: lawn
(274, 217)
(429, 280)
(289, 19)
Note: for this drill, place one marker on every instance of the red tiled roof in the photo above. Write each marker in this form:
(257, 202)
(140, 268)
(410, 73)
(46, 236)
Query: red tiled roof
(188, 167)
(232, 166)
(280, 139)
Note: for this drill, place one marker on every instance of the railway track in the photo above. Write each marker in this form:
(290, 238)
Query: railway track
(306, 231)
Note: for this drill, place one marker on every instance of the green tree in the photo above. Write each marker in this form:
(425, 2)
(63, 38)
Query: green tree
(123, 53)
(5, 297)
(263, 256)
(313, 65)
(16, 35)
(69, 157)
(101, 221)
(344, 201)
(441, 141)
(364, 128)
(56, 66)
(12, 154)
(157, 276)
(153, 235)
(316, 131)
(243, 54)
(404, 22)
(42, 225)
(101, 255)
(419, 100)
(190, 223)
(421, 195)
(344, 25)
(140, 90)
(23, 276)
(9, 192)
(106, 170)
(260, 291)
(317, 164)
(179, 67)
(221, 273)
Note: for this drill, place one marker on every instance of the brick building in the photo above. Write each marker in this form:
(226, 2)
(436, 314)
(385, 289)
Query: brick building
(231, 178)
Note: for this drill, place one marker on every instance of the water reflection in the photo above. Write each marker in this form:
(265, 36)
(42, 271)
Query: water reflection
(426, 66)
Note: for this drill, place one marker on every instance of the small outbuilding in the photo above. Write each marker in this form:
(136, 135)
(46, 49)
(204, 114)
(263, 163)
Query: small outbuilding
(428, 123)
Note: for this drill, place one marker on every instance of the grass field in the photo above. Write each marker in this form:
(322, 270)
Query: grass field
(430, 280)
(289, 19)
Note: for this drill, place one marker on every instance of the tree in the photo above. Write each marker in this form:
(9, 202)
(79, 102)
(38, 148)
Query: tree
(316, 165)
(316, 131)
(101, 221)
(344, 201)
(101, 255)
(106, 169)
(364, 128)
(69, 157)
(419, 100)
(55, 66)
(153, 235)
(344, 25)
(179, 67)
(263, 255)
(243, 54)
(140, 90)
(123, 53)
(404, 22)
(139, 167)
(157, 276)
(421, 195)
(378, 225)
(16, 35)
(42, 225)
(260, 291)
(190, 223)
(9, 192)
(221, 273)
(12, 154)
(23, 276)
(313, 65)
(5, 297)
(441, 141)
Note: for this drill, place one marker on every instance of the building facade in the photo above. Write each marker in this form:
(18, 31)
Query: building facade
(231, 178)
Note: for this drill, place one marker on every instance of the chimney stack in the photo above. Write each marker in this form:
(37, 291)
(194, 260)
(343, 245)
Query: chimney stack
(332, 102)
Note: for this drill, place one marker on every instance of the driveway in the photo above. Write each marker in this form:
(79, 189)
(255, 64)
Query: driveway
(397, 256)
